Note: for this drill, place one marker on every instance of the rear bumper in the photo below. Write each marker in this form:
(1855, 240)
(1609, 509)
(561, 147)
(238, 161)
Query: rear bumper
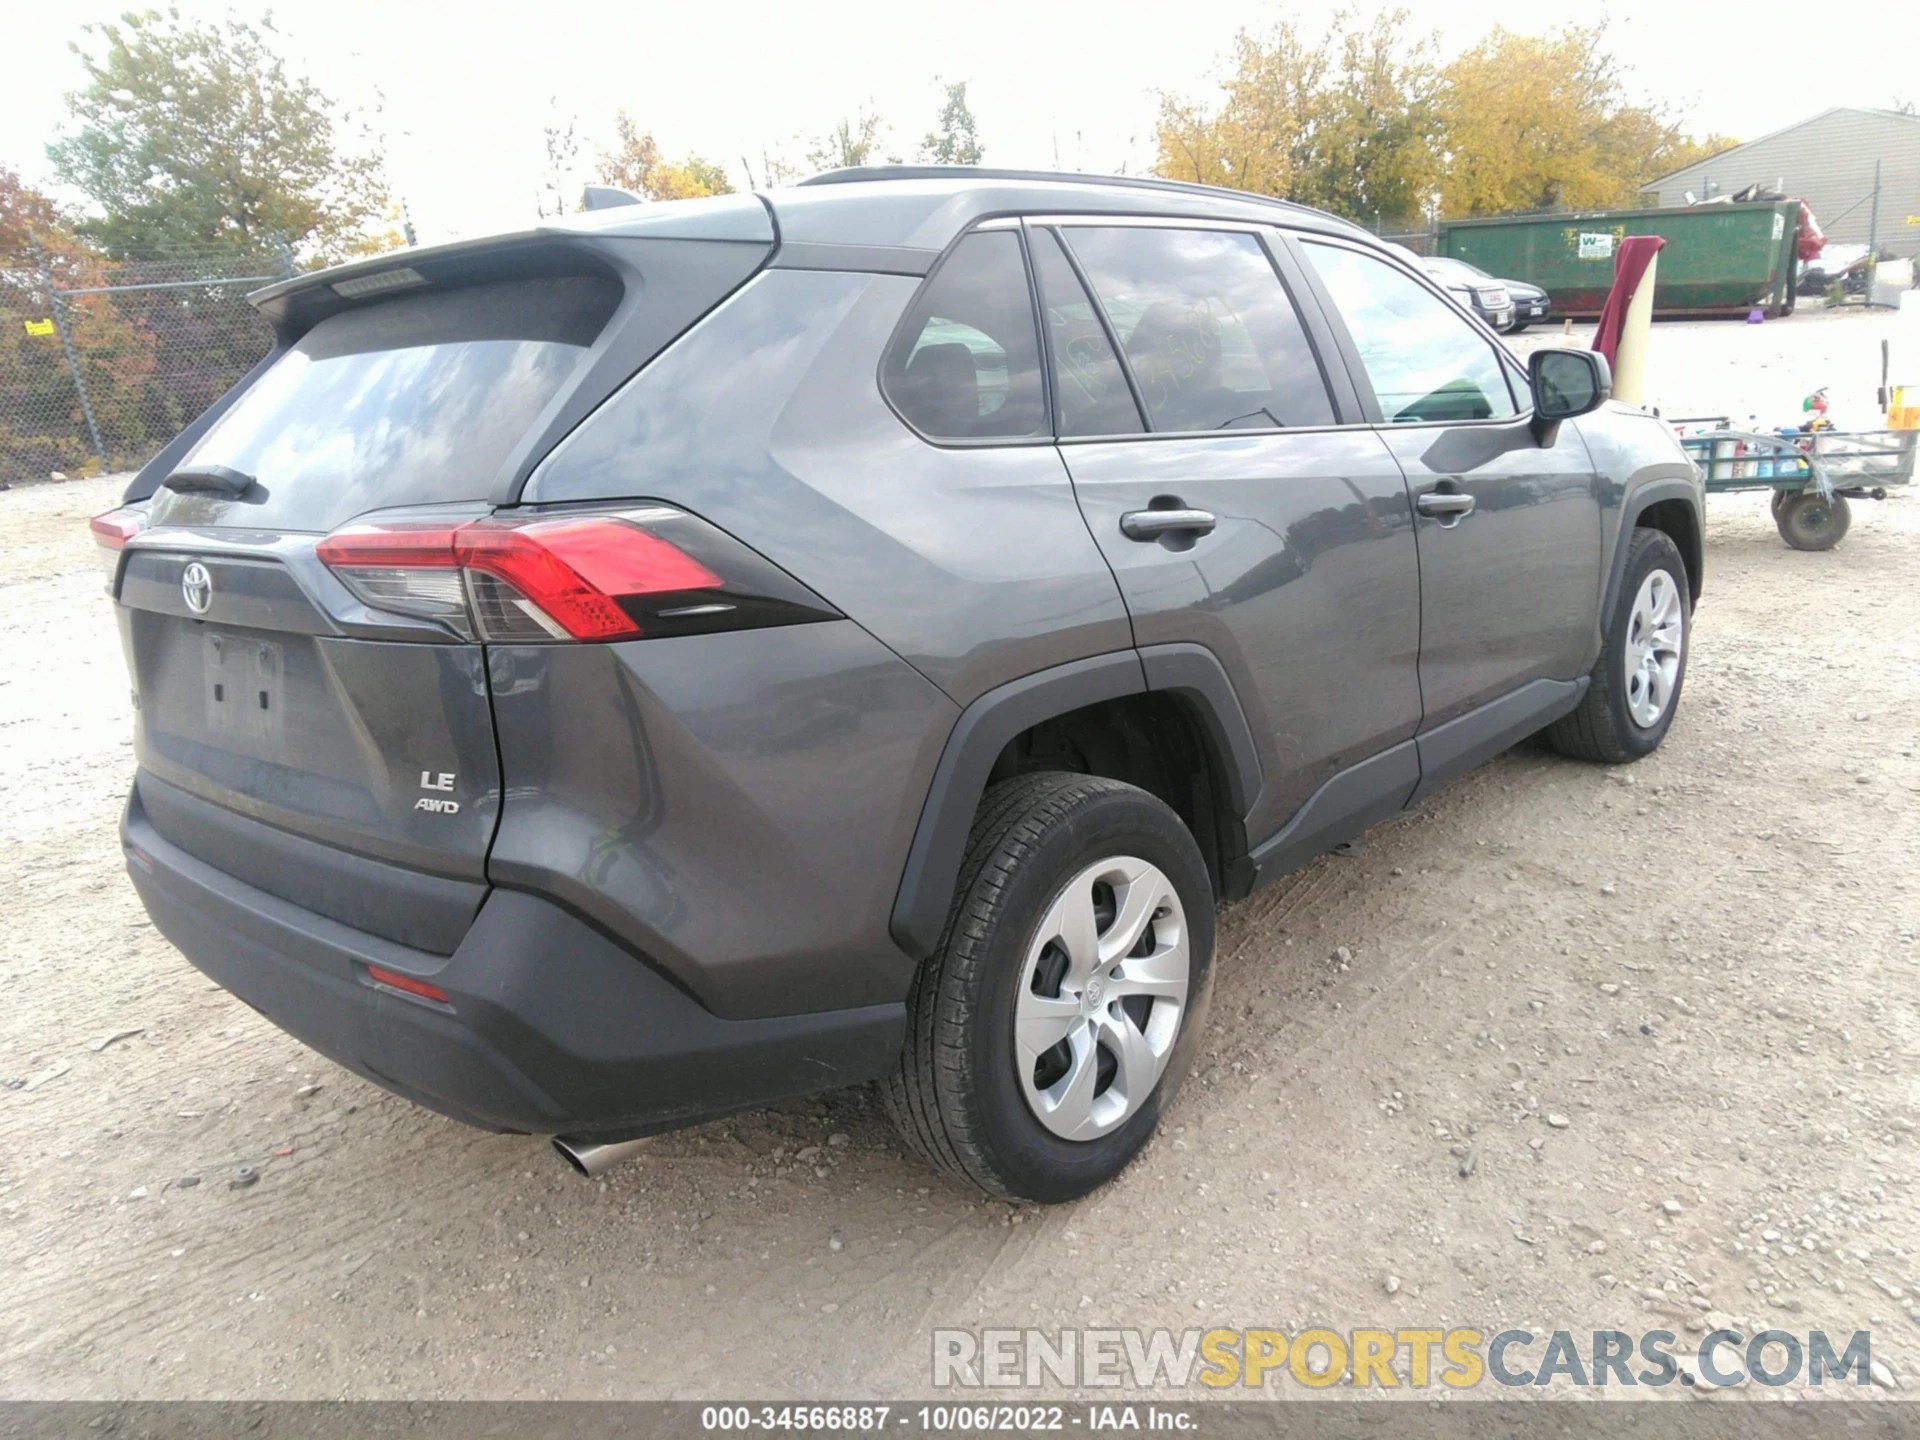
(549, 1027)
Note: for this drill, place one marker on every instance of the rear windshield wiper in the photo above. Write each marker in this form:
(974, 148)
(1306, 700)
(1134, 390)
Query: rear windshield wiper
(215, 479)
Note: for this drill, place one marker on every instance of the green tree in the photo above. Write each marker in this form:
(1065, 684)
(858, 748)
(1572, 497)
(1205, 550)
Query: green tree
(194, 134)
(956, 142)
(850, 143)
(558, 193)
(635, 164)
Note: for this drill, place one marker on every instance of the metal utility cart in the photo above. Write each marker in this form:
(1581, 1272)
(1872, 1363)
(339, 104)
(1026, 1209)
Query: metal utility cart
(1812, 474)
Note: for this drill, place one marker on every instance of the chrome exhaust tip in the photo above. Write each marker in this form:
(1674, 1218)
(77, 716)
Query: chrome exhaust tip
(591, 1158)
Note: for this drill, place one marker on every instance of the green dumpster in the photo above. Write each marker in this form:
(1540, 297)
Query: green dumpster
(1719, 259)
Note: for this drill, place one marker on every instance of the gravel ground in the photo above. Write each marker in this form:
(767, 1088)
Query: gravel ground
(1704, 965)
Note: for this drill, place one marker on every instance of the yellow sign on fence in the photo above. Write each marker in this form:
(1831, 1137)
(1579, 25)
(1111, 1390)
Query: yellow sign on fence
(39, 327)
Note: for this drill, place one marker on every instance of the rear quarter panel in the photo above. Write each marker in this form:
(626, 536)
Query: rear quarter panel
(736, 807)
(973, 564)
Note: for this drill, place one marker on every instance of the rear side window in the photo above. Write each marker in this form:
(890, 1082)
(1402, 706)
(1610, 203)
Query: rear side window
(415, 400)
(1425, 361)
(1089, 387)
(965, 364)
(1211, 334)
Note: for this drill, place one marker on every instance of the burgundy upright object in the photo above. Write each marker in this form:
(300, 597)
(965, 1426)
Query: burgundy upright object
(1630, 262)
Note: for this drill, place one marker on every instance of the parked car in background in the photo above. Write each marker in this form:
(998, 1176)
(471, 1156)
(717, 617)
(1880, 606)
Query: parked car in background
(1530, 304)
(1487, 297)
(694, 655)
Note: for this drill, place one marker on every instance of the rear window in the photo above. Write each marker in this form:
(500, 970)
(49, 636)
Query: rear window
(413, 401)
(966, 362)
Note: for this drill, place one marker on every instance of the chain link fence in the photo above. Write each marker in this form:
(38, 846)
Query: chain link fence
(103, 361)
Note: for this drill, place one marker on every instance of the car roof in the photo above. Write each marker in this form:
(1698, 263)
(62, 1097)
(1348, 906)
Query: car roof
(913, 211)
(926, 206)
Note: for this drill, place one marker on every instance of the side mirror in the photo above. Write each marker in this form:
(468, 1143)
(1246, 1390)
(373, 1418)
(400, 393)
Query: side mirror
(1566, 383)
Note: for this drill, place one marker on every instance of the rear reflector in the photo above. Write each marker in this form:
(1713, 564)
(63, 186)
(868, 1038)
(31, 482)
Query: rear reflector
(394, 980)
(568, 577)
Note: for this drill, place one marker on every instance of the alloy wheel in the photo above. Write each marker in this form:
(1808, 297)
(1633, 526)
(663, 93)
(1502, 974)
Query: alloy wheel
(1656, 633)
(1101, 997)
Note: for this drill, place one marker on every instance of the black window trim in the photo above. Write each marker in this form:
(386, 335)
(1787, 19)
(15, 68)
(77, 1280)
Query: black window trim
(1350, 351)
(1106, 329)
(1265, 234)
(1354, 404)
(989, 224)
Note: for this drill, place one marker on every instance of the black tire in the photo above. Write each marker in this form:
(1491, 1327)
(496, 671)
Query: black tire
(1516, 329)
(1777, 499)
(1602, 728)
(956, 1096)
(1810, 521)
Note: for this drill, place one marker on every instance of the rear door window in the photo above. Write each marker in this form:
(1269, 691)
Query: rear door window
(965, 364)
(416, 400)
(1089, 388)
(1210, 332)
(1425, 361)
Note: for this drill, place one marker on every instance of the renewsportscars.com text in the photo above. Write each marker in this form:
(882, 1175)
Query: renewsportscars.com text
(1458, 1359)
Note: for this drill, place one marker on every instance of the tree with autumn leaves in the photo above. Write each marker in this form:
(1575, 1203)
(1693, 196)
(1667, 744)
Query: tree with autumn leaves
(1367, 122)
(41, 426)
(194, 140)
(634, 163)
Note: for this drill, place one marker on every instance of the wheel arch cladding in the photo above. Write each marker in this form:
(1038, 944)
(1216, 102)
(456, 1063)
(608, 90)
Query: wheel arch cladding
(1110, 692)
(1677, 517)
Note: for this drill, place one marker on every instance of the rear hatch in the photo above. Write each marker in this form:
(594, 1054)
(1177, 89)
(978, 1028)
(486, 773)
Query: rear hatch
(310, 717)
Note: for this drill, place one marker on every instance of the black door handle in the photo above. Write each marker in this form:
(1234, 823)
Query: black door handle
(1152, 524)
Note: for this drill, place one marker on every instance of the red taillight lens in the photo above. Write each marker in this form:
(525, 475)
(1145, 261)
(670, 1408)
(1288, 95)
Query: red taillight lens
(116, 527)
(112, 531)
(577, 577)
(412, 546)
(573, 570)
(406, 984)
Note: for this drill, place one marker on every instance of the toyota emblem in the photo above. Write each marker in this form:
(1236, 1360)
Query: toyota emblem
(196, 588)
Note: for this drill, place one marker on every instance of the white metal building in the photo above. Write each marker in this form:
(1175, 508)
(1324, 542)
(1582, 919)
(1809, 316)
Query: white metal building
(1828, 161)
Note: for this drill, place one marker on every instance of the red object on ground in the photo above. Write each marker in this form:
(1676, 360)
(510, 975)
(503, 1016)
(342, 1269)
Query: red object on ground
(1811, 240)
(1630, 262)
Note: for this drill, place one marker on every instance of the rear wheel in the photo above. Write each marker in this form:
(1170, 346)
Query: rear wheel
(1056, 1020)
(1634, 688)
(1810, 521)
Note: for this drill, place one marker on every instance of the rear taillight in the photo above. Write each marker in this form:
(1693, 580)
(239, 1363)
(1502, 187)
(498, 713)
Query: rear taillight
(112, 531)
(657, 571)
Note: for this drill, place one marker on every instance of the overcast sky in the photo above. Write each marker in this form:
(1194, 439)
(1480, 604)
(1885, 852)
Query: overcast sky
(468, 89)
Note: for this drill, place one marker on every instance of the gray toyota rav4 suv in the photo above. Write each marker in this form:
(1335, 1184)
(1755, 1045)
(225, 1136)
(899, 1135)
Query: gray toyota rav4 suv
(693, 655)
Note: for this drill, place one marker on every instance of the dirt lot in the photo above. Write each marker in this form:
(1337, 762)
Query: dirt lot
(1705, 966)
